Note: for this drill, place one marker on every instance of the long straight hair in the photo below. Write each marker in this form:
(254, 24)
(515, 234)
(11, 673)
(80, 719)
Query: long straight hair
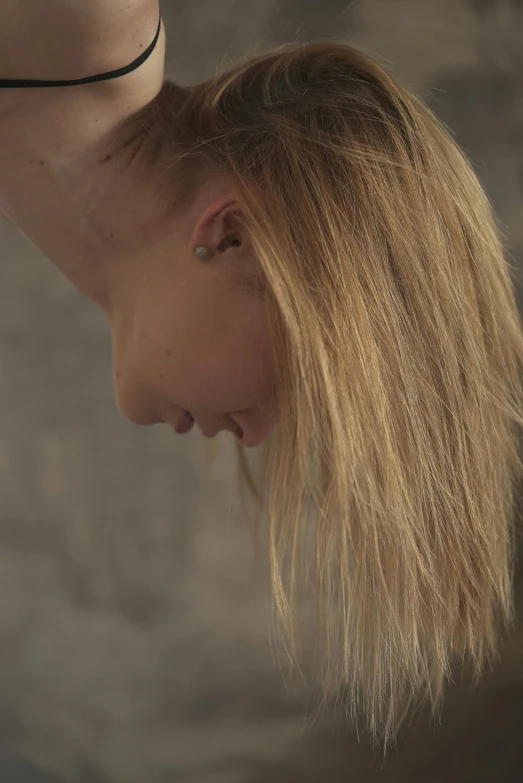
(389, 483)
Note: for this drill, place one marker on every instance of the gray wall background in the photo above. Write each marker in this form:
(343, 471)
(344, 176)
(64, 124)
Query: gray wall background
(134, 610)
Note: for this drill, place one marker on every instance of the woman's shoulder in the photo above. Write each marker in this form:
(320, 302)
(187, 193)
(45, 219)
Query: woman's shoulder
(48, 134)
(71, 119)
(130, 54)
(70, 40)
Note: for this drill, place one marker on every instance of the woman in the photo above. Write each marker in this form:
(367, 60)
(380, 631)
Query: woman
(296, 251)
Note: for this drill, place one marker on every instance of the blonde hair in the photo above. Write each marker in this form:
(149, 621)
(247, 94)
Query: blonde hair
(397, 348)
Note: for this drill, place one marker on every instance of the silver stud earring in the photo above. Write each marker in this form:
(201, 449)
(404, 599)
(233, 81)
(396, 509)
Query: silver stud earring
(202, 251)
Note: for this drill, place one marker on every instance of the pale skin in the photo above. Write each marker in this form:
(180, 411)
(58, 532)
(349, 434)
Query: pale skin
(185, 335)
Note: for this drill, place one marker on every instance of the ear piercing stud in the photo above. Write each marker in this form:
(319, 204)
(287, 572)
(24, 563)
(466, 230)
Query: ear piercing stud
(202, 251)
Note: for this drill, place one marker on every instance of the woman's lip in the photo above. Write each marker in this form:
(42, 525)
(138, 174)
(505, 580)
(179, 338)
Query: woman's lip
(238, 430)
(185, 424)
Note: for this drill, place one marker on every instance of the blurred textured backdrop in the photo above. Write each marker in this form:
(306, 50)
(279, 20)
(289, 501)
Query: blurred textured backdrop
(134, 611)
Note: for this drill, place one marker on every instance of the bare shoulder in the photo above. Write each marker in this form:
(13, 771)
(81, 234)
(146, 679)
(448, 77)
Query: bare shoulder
(73, 45)
(69, 39)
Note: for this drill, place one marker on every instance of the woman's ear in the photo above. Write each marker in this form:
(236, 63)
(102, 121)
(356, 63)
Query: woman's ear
(217, 226)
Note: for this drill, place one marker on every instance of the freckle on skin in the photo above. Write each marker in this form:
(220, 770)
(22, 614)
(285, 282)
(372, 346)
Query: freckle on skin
(41, 162)
(168, 353)
(117, 374)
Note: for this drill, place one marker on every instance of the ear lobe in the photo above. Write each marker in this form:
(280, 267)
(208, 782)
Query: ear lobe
(217, 223)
